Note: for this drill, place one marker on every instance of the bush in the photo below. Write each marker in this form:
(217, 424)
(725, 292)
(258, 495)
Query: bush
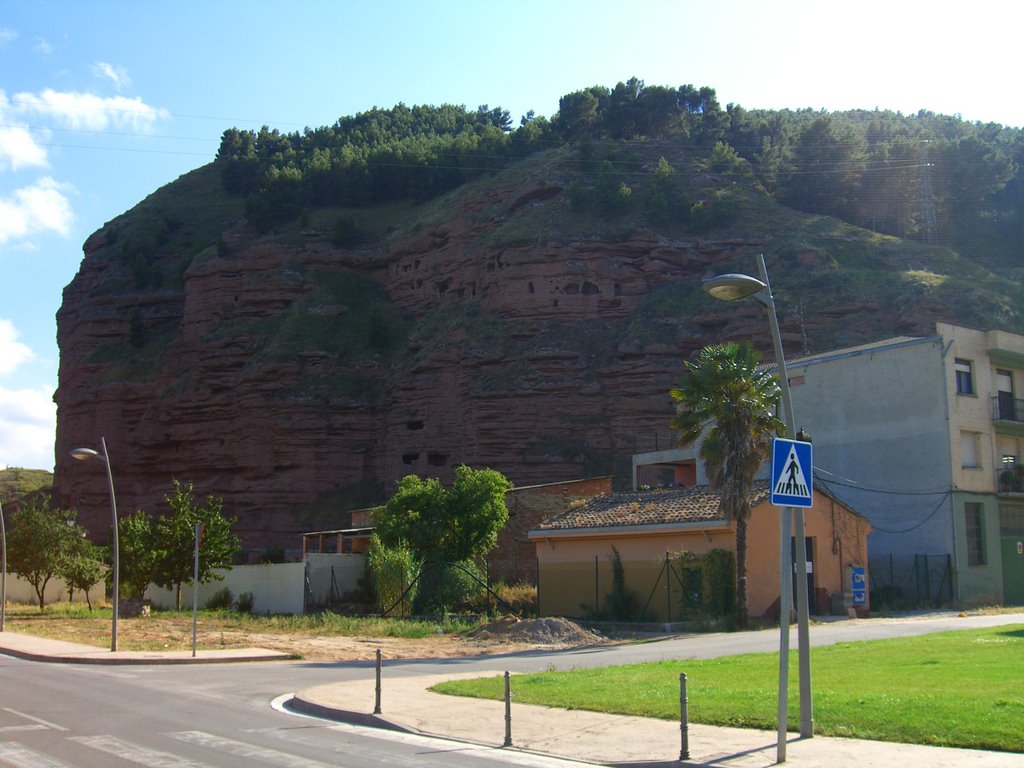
(448, 587)
(621, 604)
(521, 598)
(393, 570)
(245, 603)
(221, 600)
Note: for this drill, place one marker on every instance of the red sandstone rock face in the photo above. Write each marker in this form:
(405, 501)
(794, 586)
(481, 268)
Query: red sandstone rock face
(559, 390)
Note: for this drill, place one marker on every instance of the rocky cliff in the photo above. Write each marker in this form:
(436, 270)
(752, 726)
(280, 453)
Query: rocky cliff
(496, 327)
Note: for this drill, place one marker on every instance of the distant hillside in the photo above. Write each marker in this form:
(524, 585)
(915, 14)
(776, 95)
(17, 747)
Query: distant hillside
(308, 318)
(16, 483)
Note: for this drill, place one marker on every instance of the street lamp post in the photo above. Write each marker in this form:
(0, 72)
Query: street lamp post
(84, 454)
(730, 288)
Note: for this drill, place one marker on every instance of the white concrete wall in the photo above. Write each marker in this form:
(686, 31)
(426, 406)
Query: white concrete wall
(20, 591)
(277, 588)
(332, 575)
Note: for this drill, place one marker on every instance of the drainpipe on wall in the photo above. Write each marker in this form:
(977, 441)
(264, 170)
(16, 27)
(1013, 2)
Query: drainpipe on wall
(955, 575)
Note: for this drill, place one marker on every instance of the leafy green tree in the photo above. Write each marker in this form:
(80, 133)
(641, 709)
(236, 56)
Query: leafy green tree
(665, 203)
(446, 524)
(81, 566)
(725, 389)
(39, 536)
(138, 553)
(612, 194)
(175, 538)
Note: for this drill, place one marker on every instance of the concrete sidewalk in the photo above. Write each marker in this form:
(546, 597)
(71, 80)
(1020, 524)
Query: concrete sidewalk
(58, 651)
(407, 705)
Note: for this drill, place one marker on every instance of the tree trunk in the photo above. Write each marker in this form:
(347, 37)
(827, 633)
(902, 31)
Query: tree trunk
(741, 571)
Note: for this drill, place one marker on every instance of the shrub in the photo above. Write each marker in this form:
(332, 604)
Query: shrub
(447, 587)
(521, 598)
(621, 603)
(393, 571)
(221, 600)
(245, 603)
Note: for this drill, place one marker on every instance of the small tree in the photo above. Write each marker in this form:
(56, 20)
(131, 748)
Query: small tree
(452, 526)
(446, 525)
(175, 537)
(40, 535)
(138, 554)
(81, 566)
(725, 388)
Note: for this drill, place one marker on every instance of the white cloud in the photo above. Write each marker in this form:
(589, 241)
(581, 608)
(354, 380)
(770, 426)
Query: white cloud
(88, 111)
(28, 417)
(117, 75)
(41, 207)
(42, 45)
(7, 35)
(19, 148)
(12, 352)
(28, 426)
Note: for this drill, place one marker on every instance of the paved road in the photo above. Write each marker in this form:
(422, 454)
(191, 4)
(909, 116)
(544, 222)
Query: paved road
(86, 716)
(55, 715)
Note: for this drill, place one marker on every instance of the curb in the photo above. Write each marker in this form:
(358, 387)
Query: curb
(161, 659)
(368, 720)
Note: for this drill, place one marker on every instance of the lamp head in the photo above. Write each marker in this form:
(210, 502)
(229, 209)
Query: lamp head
(732, 286)
(84, 454)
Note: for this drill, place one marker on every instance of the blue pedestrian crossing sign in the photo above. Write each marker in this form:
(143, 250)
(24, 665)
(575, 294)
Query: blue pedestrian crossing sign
(792, 477)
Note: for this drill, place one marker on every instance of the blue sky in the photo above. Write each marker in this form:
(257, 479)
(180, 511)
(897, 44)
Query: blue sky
(102, 102)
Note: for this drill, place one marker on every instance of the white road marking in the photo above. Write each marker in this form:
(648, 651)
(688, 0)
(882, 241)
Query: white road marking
(17, 755)
(125, 750)
(47, 723)
(241, 749)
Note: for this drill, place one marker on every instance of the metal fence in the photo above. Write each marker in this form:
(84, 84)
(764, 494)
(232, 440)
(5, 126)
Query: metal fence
(900, 582)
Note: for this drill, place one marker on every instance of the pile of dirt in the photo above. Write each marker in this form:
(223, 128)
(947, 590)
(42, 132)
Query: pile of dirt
(551, 631)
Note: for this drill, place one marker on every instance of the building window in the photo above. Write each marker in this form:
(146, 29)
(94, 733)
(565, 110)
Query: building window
(969, 450)
(975, 533)
(964, 376)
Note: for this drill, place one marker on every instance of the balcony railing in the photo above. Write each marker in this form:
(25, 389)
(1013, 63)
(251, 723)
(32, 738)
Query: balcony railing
(1005, 407)
(1010, 479)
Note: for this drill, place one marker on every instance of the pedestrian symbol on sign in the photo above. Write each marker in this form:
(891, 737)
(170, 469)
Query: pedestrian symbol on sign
(791, 480)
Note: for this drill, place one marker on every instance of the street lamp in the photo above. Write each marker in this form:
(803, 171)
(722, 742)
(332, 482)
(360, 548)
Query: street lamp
(84, 454)
(732, 287)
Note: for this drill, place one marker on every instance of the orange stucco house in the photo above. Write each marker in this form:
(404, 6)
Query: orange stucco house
(574, 550)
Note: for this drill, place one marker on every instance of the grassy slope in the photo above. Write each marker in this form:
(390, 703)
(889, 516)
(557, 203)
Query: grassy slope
(955, 689)
(15, 482)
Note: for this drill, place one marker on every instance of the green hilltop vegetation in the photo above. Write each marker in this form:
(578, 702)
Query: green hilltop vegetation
(920, 210)
(17, 483)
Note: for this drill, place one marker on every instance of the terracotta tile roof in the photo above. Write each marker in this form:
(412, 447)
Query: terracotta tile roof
(692, 504)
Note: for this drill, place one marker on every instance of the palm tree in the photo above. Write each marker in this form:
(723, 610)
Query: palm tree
(726, 393)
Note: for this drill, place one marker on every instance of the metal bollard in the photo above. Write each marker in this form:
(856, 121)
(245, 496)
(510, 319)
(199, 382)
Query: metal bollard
(508, 711)
(376, 704)
(684, 717)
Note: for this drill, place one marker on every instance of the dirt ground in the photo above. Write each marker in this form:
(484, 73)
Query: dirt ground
(505, 635)
(502, 636)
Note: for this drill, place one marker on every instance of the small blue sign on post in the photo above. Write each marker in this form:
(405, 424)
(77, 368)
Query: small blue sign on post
(792, 483)
(859, 585)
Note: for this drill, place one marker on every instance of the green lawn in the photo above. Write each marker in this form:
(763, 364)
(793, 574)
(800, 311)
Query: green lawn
(954, 689)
